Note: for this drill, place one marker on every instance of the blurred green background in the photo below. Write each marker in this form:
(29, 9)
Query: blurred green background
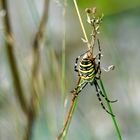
(120, 39)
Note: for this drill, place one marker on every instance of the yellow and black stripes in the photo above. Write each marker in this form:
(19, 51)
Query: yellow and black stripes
(87, 69)
(76, 61)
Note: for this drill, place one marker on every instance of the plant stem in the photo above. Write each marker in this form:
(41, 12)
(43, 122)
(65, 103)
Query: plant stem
(81, 23)
(38, 40)
(110, 109)
(12, 60)
(68, 119)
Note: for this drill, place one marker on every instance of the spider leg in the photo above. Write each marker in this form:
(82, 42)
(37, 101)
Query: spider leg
(80, 87)
(100, 92)
(98, 95)
(76, 61)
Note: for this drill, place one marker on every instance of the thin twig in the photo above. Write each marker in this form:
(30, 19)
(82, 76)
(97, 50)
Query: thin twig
(11, 58)
(38, 39)
(35, 69)
(81, 23)
(67, 122)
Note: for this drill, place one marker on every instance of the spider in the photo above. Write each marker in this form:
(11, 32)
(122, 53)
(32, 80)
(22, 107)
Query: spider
(89, 71)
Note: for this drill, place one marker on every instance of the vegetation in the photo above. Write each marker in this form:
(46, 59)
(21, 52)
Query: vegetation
(39, 43)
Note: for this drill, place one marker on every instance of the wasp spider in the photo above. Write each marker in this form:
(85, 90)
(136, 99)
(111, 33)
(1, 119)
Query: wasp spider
(89, 71)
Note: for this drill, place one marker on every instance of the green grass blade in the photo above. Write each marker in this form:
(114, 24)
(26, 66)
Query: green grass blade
(70, 113)
(110, 109)
(69, 121)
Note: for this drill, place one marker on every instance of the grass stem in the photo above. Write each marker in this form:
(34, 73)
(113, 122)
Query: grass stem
(70, 113)
(81, 23)
(110, 109)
